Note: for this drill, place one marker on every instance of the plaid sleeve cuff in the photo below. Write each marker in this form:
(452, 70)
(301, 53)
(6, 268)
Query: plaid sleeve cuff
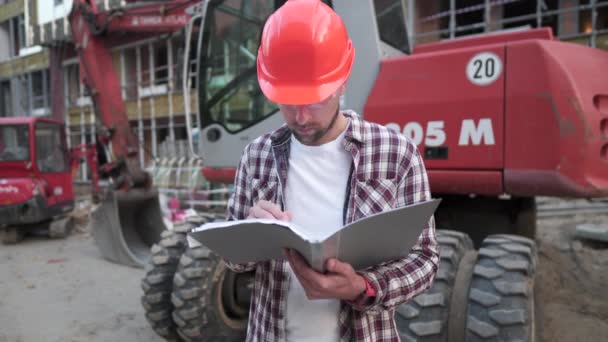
(367, 298)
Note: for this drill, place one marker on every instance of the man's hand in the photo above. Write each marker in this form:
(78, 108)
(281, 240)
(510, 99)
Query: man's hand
(268, 210)
(340, 282)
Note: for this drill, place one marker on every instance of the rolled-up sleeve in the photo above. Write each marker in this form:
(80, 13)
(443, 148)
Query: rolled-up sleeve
(399, 281)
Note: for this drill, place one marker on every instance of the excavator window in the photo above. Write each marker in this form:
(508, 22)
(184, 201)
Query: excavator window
(14, 143)
(229, 93)
(390, 17)
(51, 153)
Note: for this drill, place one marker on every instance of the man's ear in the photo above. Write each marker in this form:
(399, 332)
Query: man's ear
(342, 89)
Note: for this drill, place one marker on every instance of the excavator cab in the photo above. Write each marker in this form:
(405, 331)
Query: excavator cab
(232, 110)
(35, 179)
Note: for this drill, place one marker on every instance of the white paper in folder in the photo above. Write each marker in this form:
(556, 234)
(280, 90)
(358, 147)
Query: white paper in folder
(372, 240)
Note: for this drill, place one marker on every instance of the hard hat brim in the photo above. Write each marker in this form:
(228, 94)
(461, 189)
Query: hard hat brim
(301, 94)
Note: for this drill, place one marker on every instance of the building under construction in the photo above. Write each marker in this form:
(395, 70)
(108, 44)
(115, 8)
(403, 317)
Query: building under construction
(124, 74)
(35, 39)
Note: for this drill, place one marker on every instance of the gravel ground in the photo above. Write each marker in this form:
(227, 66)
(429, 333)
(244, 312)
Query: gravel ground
(571, 282)
(61, 290)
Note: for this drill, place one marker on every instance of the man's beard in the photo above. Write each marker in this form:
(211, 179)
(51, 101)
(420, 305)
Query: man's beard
(318, 134)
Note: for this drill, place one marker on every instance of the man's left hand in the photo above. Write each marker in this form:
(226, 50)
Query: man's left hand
(340, 282)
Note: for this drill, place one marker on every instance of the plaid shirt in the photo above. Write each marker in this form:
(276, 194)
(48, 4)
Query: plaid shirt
(387, 172)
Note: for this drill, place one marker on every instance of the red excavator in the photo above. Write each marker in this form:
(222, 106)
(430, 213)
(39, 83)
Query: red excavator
(499, 118)
(36, 194)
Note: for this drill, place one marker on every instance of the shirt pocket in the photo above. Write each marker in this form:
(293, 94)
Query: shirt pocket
(263, 190)
(374, 195)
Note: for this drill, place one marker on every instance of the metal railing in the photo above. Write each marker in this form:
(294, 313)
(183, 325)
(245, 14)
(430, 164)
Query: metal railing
(490, 25)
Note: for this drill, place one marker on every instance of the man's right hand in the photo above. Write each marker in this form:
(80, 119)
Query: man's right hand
(268, 210)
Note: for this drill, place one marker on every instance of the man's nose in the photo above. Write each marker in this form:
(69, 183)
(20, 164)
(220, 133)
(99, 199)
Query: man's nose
(302, 115)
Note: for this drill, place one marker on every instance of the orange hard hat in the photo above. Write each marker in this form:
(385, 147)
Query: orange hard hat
(305, 53)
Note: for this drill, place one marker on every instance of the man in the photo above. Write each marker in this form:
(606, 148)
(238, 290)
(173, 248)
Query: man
(322, 169)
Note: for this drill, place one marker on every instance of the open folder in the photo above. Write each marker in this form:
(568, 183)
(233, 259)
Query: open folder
(366, 242)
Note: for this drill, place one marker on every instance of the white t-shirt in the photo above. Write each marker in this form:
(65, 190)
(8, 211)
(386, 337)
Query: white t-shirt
(315, 194)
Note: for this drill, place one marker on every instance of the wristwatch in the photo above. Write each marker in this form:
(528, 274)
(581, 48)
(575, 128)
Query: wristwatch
(365, 295)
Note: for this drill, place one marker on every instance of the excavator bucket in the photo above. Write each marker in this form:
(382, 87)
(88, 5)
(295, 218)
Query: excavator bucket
(126, 224)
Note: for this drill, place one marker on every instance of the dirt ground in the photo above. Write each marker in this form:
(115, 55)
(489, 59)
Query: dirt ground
(572, 281)
(61, 290)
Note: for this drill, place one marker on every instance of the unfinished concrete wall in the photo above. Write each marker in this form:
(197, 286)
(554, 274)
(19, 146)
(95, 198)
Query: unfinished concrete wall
(4, 42)
(19, 97)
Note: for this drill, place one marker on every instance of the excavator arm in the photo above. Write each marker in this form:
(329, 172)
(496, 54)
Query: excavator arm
(91, 30)
(128, 220)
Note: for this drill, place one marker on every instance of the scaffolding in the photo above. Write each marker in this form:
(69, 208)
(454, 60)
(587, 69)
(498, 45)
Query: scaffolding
(151, 85)
(452, 22)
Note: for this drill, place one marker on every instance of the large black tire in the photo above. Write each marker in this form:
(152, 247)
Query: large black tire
(158, 281)
(211, 302)
(501, 296)
(425, 318)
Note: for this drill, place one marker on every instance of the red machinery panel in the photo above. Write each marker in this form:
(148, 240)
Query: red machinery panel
(451, 104)
(431, 99)
(17, 190)
(558, 133)
(457, 99)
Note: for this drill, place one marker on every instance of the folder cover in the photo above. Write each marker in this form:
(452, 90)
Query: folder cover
(366, 242)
